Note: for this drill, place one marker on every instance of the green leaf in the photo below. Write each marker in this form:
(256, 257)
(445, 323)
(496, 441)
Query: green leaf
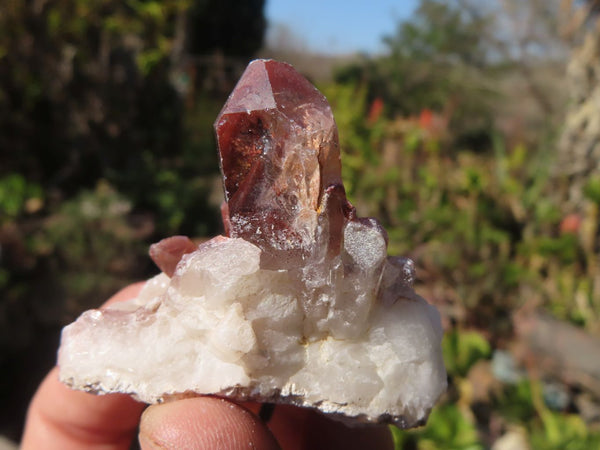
(446, 429)
(462, 349)
(592, 189)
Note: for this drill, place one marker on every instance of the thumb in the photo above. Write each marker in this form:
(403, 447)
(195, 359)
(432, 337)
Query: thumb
(203, 423)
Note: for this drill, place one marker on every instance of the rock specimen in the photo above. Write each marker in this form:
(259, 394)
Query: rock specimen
(298, 304)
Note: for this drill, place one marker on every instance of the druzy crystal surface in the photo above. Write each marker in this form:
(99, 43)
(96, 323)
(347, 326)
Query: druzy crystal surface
(298, 303)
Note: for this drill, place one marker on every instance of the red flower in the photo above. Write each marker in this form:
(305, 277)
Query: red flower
(375, 110)
(426, 119)
(570, 224)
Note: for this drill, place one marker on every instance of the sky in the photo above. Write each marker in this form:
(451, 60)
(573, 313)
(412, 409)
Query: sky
(339, 26)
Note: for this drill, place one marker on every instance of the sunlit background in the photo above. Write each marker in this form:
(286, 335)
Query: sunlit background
(471, 129)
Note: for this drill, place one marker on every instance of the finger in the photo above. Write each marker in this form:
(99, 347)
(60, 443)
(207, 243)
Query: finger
(203, 423)
(301, 429)
(212, 423)
(324, 433)
(61, 418)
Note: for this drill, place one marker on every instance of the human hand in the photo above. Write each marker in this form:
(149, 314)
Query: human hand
(61, 418)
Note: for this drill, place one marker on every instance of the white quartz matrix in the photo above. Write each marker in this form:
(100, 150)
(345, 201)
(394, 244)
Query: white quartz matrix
(356, 344)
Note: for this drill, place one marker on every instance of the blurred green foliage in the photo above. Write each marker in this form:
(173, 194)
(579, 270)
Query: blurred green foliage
(479, 211)
(93, 243)
(448, 428)
(463, 349)
(436, 60)
(562, 431)
(16, 193)
(488, 232)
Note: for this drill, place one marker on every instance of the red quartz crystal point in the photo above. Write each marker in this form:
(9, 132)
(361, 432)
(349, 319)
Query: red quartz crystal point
(279, 152)
(167, 253)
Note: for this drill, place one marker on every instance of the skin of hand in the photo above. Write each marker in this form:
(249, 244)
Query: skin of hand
(65, 419)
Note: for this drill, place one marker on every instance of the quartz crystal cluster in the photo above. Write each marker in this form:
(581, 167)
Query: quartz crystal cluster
(298, 303)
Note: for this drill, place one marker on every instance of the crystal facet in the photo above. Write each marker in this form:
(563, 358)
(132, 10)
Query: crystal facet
(279, 155)
(298, 303)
